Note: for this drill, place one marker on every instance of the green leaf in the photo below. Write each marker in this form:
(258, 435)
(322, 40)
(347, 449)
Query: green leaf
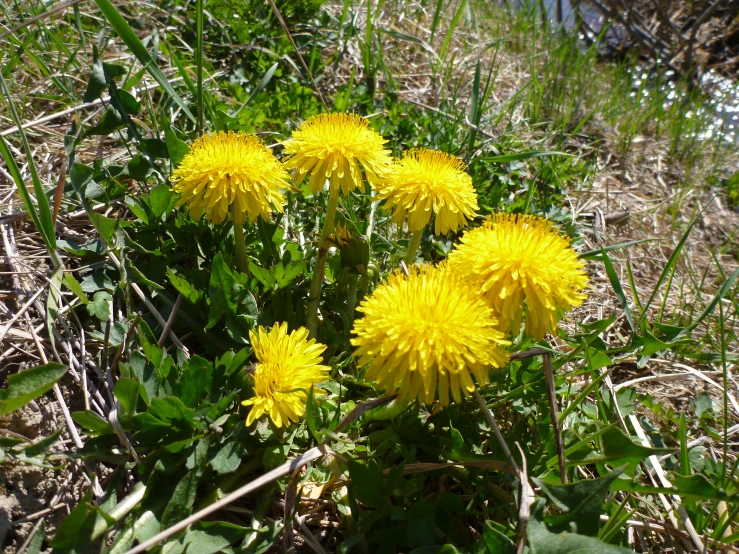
(74, 285)
(92, 422)
(126, 392)
(219, 291)
(37, 541)
(36, 453)
(183, 498)
(615, 448)
(582, 502)
(177, 149)
(495, 541)
(461, 452)
(139, 50)
(209, 537)
(105, 226)
(542, 541)
(193, 381)
(228, 458)
(367, 481)
(99, 306)
(161, 200)
(312, 415)
(703, 404)
(75, 532)
(29, 385)
(183, 286)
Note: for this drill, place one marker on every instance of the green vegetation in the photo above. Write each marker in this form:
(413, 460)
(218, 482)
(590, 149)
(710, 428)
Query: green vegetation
(145, 308)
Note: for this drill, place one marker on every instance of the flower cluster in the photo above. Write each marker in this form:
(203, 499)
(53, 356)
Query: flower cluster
(429, 333)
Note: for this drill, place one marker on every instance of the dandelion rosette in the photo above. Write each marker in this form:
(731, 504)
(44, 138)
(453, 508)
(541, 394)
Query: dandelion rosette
(512, 258)
(288, 365)
(230, 171)
(333, 147)
(426, 182)
(427, 332)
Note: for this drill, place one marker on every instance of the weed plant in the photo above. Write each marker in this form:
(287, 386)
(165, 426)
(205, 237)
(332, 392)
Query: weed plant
(171, 309)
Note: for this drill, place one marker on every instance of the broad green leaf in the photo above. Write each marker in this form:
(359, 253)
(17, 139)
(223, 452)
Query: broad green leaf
(105, 226)
(75, 286)
(543, 541)
(209, 537)
(615, 448)
(34, 546)
(582, 502)
(495, 541)
(126, 392)
(75, 532)
(219, 291)
(99, 306)
(29, 385)
(367, 483)
(37, 452)
(92, 422)
(177, 149)
(228, 458)
(161, 200)
(183, 498)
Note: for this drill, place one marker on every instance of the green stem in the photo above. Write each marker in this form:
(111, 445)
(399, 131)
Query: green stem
(242, 260)
(351, 299)
(410, 256)
(311, 317)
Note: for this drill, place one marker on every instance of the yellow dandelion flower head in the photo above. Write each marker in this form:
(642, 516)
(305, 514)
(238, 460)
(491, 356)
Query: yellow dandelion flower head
(228, 170)
(288, 364)
(512, 258)
(426, 182)
(333, 146)
(426, 333)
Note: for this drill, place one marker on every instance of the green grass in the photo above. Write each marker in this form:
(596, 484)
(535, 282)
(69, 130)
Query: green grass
(536, 116)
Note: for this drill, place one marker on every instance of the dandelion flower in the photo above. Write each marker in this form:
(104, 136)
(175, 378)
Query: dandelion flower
(288, 364)
(427, 182)
(233, 171)
(427, 333)
(512, 258)
(333, 146)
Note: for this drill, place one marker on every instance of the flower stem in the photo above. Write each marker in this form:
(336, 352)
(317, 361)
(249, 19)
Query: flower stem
(242, 260)
(351, 299)
(311, 317)
(410, 256)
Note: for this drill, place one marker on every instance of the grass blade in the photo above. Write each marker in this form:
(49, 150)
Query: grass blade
(450, 31)
(523, 156)
(617, 288)
(437, 18)
(199, 68)
(42, 218)
(668, 268)
(139, 50)
(723, 291)
(595, 255)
